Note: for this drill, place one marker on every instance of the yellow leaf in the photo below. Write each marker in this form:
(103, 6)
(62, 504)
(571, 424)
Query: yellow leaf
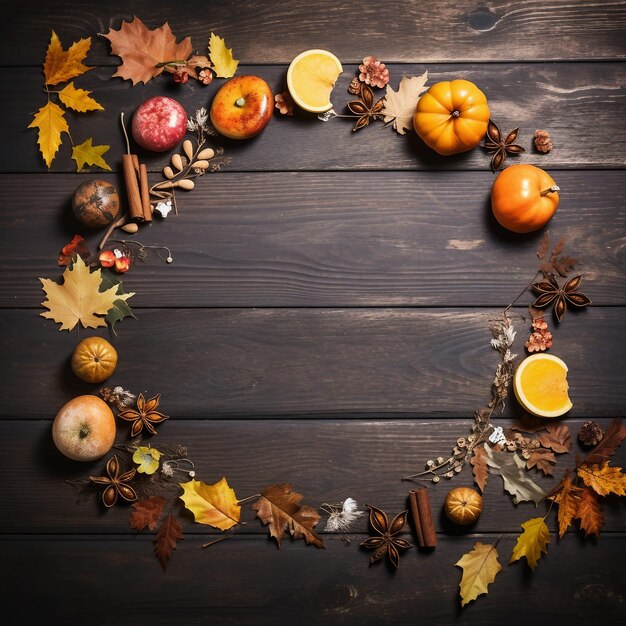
(603, 479)
(480, 567)
(61, 65)
(78, 299)
(91, 155)
(224, 65)
(214, 505)
(532, 542)
(51, 123)
(78, 99)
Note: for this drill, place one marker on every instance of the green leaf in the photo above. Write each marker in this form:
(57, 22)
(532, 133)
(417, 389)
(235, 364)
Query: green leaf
(120, 308)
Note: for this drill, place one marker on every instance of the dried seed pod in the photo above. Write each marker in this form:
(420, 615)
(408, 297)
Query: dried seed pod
(526, 454)
(458, 469)
(517, 437)
(131, 228)
(471, 438)
(436, 479)
(177, 162)
(510, 446)
(201, 165)
(207, 153)
(168, 172)
(429, 464)
(449, 474)
(186, 184)
(460, 442)
(440, 460)
(188, 148)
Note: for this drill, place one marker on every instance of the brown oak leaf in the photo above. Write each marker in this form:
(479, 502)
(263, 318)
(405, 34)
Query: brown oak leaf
(279, 508)
(542, 459)
(147, 513)
(590, 512)
(145, 52)
(479, 467)
(568, 499)
(168, 534)
(611, 440)
(557, 437)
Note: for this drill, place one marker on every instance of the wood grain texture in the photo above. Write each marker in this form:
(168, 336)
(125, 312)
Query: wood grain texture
(425, 363)
(248, 581)
(326, 461)
(580, 104)
(347, 239)
(264, 32)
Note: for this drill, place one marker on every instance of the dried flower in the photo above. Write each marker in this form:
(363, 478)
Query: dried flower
(284, 103)
(341, 516)
(205, 75)
(542, 141)
(181, 75)
(590, 434)
(500, 146)
(355, 86)
(147, 459)
(115, 483)
(373, 72)
(541, 338)
(118, 396)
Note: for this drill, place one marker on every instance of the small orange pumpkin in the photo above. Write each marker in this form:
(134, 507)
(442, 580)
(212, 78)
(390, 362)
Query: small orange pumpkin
(452, 117)
(94, 359)
(463, 505)
(524, 198)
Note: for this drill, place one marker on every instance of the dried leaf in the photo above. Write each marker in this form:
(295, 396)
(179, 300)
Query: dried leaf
(513, 471)
(279, 508)
(69, 252)
(544, 244)
(88, 154)
(542, 459)
(78, 299)
(61, 65)
(120, 308)
(479, 467)
(590, 513)
(147, 513)
(557, 437)
(611, 440)
(50, 120)
(399, 106)
(603, 479)
(532, 542)
(568, 499)
(480, 567)
(144, 51)
(224, 65)
(78, 99)
(214, 505)
(564, 264)
(168, 534)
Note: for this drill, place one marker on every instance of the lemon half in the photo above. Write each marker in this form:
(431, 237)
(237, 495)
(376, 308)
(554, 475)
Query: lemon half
(311, 77)
(540, 385)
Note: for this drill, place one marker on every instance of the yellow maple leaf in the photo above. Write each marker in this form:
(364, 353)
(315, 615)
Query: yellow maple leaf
(78, 299)
(603, 479)
(568, 499)
(85, 153)
(61, 65)
(214, 505)
(224, 65)
(480, 567)
(532, 542)
(51, 123)
(78, 99)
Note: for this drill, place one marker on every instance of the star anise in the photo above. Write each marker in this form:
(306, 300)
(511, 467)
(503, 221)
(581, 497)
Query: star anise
(386, 543)
(551, 292)
(115, 483)
(500, 147)
(365, 108)
(145, 416)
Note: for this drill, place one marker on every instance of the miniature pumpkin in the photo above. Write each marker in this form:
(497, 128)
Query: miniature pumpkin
(452, 117)
(524, 198)
(94, 359)
(463, 505)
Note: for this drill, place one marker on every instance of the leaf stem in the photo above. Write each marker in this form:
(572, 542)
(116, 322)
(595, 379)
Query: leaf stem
(256, 495)
(210, 543)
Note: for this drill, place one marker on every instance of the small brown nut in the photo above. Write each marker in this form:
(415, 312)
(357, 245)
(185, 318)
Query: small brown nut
(168, 172)
(186, 184)
(131, 228)
(207, 153)
(201, 165)
(177, 162)
(188, 148)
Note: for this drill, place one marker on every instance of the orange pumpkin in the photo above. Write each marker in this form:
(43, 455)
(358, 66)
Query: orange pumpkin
(94, 359)
(524, 198)
(452, 117)
(463, 505)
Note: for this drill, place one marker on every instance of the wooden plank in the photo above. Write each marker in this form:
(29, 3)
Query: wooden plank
(405, 31)
(365, 460)
(578, 103)
(248, 581)
(345, 239)
(310, 362)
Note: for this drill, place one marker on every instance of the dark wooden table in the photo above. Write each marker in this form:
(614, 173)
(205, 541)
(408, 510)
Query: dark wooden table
(325, 319)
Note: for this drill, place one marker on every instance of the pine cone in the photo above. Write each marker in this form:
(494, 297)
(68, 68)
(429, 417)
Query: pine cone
(590, 434)
(542, 141)
(373, 72)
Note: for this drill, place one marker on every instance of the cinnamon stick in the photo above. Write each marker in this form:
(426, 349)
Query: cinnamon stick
(423, 518)
(145, 193)
(135, 207)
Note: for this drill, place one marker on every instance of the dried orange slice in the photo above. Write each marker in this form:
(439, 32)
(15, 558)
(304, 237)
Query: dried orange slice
(311, 77)
(540, 385)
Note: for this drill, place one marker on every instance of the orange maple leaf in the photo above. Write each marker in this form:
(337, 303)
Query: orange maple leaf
(143, 51)
(603, 479)
(568, 499)
(61, 65)
(590, 512)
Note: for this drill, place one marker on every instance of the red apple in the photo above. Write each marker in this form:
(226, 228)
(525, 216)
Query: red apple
(242, 107)
(159, 124)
